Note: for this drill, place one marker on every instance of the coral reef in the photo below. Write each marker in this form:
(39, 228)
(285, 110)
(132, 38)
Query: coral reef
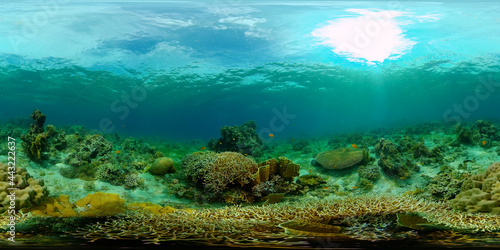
(300, 145)
(445, 185)
(480, 193)
(392, 160)
(242, 139)
(29, 191)
(234, 178)
(35, 143)
(110, 173)
(341, 158)
(162, 166)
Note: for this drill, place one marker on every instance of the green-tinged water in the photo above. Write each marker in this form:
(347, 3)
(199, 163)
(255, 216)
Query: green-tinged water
(236, 124)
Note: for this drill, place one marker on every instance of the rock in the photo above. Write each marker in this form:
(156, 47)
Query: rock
(341, 158)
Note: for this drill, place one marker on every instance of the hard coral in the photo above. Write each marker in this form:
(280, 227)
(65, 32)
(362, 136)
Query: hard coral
(162, 166)
(392, 160)
(29, 191)
(242, 139)
(35, 143)
(229, 168)
(235, 178)
(480, 193)
(100, 205)
(341, 158)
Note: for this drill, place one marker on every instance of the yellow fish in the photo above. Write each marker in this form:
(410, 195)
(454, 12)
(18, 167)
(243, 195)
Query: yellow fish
(203, 148)
(354, 145)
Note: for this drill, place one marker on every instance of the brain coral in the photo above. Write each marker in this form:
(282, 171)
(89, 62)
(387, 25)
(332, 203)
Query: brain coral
(341, 158)
(29, 192)
(162, 166)
(480, 193)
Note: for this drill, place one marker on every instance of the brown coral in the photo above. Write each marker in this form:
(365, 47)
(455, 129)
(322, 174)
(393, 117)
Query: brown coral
(29, 191)
(229, 168)
(480, 193)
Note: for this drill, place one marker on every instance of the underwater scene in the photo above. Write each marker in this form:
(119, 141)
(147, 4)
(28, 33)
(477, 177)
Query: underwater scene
(228, 124)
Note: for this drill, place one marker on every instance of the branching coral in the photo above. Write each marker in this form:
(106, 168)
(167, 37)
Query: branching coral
(237, 223)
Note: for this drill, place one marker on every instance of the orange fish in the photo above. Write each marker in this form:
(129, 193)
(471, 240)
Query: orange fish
(117, 151)
(484, 142)
(203, 148)
(324, 187)
(354, 187)
(271, 135)
(354, 145)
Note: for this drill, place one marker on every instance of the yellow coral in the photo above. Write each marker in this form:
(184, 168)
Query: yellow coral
(55, 207)
(100, 205)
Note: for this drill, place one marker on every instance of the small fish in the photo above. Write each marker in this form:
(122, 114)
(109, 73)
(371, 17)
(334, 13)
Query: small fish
(354, 145)
(310, 170)
(325, 187)
(234, 139)
(293, 139)
(335, 166)
(118, 152)
(484, 142)
(354, 187)
(203, 148)
(245, 154)
(271, 135)
(402, 178)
